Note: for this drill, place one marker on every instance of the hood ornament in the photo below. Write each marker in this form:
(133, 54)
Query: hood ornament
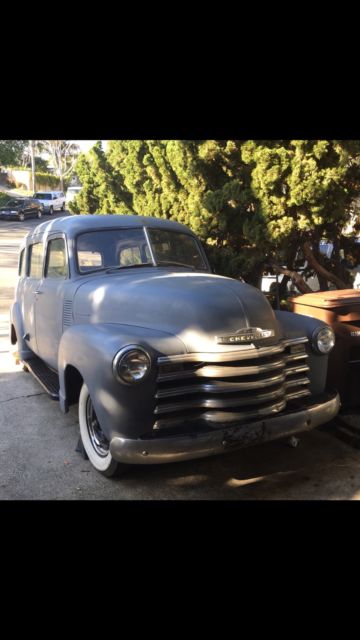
(250, 334)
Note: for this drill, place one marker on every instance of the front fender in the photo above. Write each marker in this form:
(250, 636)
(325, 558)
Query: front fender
(16, 321)
(121, 409)
(295, 325)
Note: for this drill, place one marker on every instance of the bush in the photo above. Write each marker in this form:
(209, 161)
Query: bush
(46, 180)
(4, 197)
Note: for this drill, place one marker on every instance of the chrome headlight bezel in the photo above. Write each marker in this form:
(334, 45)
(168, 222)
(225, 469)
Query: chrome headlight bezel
(119, 364)
(323, 333)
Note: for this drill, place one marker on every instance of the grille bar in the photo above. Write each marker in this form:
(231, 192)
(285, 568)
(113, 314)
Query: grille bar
(222, 372)
(220, 403)
(221, 417)
(217, 386)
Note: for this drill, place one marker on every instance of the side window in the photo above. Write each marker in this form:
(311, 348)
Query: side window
(22, 264)
(35, 260)
(56, 263)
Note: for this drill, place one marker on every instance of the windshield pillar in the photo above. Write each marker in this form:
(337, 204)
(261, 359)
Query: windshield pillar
(150, 247)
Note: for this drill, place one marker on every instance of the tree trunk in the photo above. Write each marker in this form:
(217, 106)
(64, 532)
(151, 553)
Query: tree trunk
(320, 270)
(294, 276)
(32, 151)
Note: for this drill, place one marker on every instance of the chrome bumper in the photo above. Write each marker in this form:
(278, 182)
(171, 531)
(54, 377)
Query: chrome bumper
(198, 445)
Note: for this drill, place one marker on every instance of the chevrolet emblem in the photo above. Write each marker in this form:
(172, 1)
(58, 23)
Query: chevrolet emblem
(245, 335)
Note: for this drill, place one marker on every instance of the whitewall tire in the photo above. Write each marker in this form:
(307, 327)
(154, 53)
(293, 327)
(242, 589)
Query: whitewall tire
(95, 443)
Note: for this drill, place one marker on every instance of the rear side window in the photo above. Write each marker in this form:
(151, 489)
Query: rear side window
(56, 262)
(35, 260)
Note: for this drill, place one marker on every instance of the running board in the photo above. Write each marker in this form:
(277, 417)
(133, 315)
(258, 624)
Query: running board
(48, 379)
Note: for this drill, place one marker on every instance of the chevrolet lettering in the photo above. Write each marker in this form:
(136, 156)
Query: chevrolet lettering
(245, 335)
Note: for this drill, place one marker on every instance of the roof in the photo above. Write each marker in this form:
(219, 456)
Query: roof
(73, 225)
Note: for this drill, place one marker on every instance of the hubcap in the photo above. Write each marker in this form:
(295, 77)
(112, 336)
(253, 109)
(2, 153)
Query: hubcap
(97, 436)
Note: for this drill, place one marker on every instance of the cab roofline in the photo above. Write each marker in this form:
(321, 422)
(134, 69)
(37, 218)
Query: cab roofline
(73, 225)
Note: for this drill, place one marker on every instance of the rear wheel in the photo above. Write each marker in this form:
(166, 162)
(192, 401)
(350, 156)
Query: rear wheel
(96, 445)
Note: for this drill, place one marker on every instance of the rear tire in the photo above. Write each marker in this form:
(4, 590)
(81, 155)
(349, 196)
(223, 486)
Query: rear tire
(95, 443)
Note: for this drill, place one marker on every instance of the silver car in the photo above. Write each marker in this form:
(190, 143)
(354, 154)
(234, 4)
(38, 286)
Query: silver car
(167, 361)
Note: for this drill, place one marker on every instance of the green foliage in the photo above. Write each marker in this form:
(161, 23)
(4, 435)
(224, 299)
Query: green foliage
(11, 151)
(247, 200)
(46, 180)
(4, 198)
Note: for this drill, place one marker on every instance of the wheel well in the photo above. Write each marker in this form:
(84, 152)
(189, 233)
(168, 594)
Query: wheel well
(73, 384)
(13, 336)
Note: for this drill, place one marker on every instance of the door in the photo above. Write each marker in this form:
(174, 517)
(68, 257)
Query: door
(56, 201)
(30, 293)
(28, 209)
(49, 301)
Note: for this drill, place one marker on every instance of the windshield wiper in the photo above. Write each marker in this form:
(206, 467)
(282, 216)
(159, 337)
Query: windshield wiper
(128, 266)
(172, 263)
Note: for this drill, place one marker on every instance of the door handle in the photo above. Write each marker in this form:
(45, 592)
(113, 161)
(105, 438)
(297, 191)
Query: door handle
(38, 292)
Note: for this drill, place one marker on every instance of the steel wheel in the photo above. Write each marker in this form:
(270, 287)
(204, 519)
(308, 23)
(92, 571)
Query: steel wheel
(93, 438)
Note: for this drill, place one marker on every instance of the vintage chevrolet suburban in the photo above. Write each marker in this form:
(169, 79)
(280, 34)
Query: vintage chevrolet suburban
(167, 361)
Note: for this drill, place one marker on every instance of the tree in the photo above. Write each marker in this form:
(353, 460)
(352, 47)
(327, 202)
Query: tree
(305, 189)
(102, 190)
(11, 151)
(63, 154)
(254, 203)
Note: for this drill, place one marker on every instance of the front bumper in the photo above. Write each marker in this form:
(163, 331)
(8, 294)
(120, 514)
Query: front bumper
(317, 411)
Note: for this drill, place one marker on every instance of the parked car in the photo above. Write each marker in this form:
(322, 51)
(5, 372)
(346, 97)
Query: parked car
(21, 208)
(71, 193)
(51, 200)
(167, 361)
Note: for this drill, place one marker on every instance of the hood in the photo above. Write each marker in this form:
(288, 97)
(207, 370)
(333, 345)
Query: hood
(197, 308)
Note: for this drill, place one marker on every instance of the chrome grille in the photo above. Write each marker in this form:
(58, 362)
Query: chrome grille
(230, 386)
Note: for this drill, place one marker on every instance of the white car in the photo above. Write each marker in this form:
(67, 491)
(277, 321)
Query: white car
(71, 193)
(51, 200)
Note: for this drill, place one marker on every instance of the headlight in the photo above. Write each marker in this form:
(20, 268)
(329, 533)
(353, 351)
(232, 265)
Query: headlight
(131, 365)
(323, 340)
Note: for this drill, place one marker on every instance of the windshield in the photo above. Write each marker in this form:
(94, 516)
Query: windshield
(14, 203)
(122, 248)
(172, 247)
(42, 196)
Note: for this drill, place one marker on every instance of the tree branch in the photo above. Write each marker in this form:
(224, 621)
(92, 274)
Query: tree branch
(295, 277)
(320, 270)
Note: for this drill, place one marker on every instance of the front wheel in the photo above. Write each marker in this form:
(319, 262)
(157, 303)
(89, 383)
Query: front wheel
(94, 440)
(63, 207)
(51, 210)
(22, 216)
(39, 213)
